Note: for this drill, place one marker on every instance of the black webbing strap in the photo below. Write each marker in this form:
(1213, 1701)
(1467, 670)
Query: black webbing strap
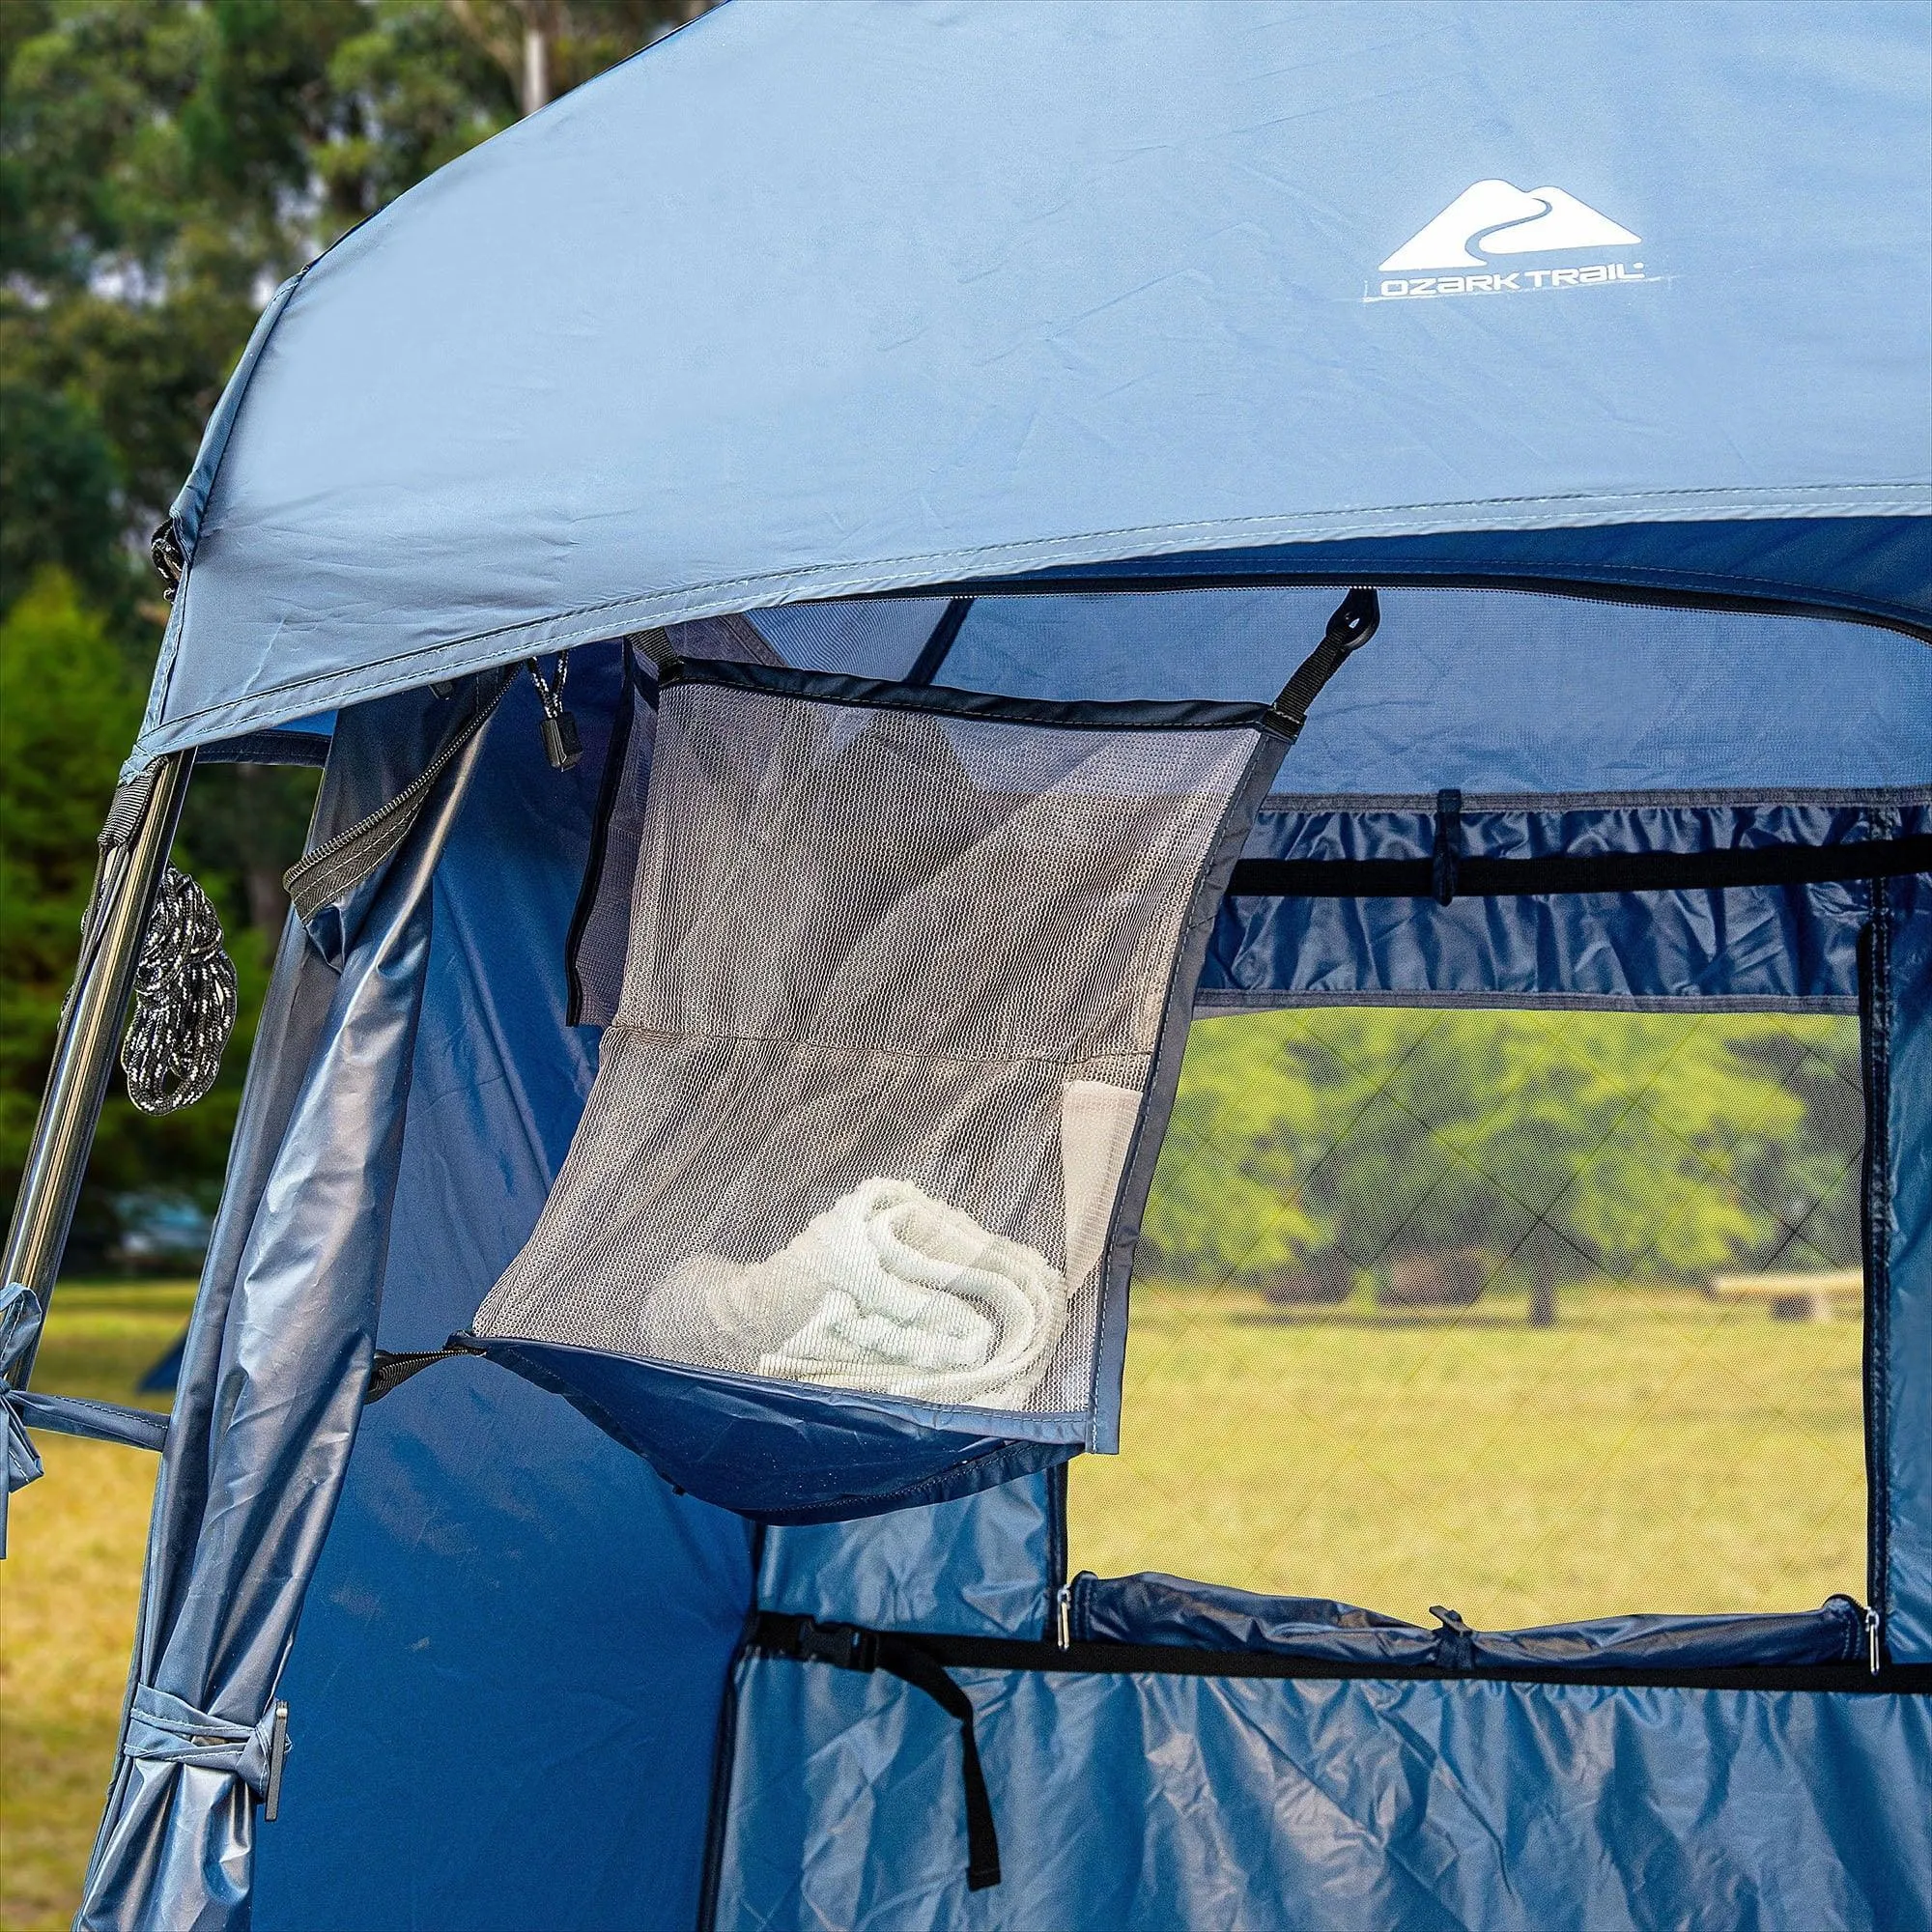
(390, 1370)
(848, 1647)
(333, 870)
(947, 1650)
(1448, 875)
(1353, 623)
(938, 647)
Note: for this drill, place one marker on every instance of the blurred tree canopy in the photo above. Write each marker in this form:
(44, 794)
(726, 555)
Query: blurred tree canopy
(165, 164)
(1559, 1146)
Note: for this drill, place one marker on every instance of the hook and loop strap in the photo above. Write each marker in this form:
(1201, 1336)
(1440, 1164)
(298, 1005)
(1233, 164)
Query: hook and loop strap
(165, 1730)
(1354, 622)
(848, 1647)
(331, 871)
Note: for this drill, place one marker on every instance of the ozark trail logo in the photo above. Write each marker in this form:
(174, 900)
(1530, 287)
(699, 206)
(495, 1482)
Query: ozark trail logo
(1489, 224)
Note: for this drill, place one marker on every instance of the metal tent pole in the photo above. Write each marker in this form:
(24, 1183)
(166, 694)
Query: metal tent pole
(90, 1032)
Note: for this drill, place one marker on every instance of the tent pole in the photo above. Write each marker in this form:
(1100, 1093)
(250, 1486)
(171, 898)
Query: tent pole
(89, 1033)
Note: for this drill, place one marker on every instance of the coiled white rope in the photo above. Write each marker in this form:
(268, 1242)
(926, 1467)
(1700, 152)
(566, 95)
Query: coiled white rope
(184, 1001)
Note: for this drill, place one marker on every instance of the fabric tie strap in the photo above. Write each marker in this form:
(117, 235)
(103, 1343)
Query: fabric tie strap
(19, 1325)
(164, 1729)
(67, 1414)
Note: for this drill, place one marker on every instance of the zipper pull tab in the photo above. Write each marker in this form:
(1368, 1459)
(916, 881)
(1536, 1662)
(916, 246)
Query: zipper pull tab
(562, 746)
(1063, 1607)
(1873, 1626)
(279, 1746)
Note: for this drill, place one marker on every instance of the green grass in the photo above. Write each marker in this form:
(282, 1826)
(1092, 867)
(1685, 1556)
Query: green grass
(68, 1594)
(1654, 1451)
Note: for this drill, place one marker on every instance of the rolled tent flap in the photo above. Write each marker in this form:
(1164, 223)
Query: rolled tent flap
(277, 1365)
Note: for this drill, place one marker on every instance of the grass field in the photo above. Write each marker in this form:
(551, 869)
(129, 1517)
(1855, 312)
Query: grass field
(68, 1593)
(1653, 1451)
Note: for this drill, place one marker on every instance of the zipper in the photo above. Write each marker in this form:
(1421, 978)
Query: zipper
(1063, 1603)
(1096, 583)
(1874, 960)
(1056, 1539)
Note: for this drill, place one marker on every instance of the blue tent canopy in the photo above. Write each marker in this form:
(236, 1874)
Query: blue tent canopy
(811, 301)
(1072, 355)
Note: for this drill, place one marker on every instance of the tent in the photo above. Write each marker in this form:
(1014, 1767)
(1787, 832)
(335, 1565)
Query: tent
(928, 389)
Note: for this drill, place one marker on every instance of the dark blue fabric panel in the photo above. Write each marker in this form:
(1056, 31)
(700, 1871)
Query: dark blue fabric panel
(980, 1565)
(507, 1681)
(1904, 1377)
(1776, 945)
(505, 1685)
(1496, 691)
(781, 1454)
(1145, 1804)
(1172, 1611)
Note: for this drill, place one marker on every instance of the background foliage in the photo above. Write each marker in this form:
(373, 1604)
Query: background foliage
(1555, 1145)
(164, 165)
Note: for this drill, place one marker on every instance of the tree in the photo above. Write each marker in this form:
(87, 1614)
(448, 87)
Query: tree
(545, 48)
(164, 165)
(69, 711)
(1563, 1143)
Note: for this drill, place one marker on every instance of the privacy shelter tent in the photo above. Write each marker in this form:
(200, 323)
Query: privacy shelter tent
(854, 357)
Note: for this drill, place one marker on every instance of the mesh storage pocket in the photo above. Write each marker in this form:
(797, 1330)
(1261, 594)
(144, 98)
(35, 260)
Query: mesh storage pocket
(904, 970)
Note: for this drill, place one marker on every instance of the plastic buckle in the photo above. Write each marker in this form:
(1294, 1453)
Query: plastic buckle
(845, 1646)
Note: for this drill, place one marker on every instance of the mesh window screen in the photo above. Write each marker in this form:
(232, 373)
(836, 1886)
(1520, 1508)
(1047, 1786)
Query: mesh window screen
(900, 973)
(1542, 1315)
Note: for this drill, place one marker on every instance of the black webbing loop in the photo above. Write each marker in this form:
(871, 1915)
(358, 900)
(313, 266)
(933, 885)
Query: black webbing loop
(1448, 850)
(848, 1647)
(331, 871)
(1353, 623)
(390, 1370)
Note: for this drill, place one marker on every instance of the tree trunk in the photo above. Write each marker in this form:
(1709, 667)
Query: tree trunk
(535, 89)
(260, 874)
(1542, 1296)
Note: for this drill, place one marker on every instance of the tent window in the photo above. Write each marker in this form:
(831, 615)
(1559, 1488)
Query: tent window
(1539, 1314)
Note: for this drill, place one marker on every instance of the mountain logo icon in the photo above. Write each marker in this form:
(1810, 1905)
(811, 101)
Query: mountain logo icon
(1497, 219)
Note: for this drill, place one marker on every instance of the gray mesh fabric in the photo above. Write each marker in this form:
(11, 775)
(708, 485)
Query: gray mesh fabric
(894, 986)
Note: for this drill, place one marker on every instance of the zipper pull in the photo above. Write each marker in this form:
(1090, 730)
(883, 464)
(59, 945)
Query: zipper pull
(562, 746)
(279, 1746)
(1062, 1606)
(1873, 1626)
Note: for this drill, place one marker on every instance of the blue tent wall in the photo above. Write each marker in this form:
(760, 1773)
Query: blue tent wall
(518, 1633)
(1145, 1801)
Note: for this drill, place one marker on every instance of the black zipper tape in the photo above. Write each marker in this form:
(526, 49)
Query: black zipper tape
(1875, 1231)
(1733, 869)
